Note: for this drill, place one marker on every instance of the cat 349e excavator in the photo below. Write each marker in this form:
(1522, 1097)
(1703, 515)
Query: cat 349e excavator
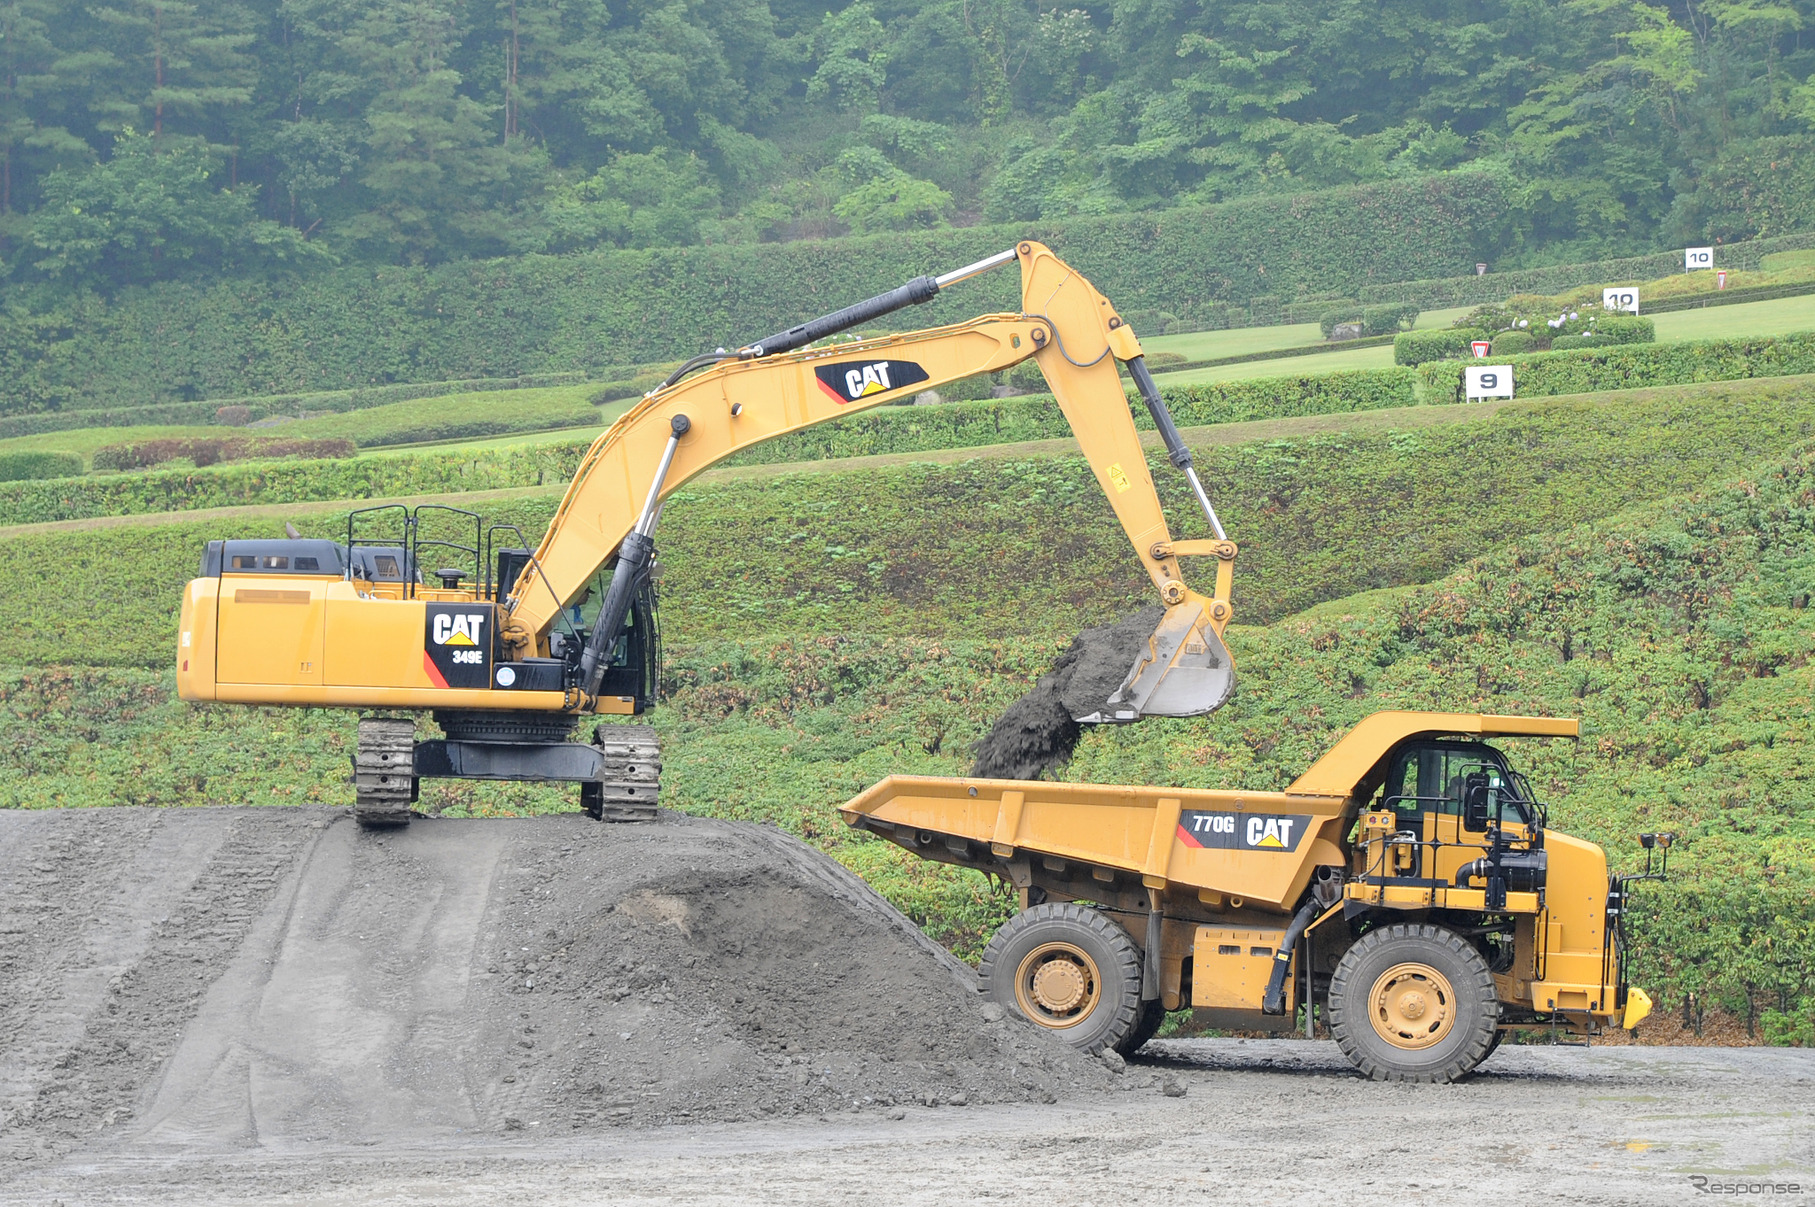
(501, 646)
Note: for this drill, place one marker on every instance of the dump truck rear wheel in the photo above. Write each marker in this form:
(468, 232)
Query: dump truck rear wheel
(1413, 1002)
(1070, 970)
(1153, 1016)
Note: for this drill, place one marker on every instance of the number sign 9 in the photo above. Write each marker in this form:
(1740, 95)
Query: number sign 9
(1487, 381)
(1622, 298)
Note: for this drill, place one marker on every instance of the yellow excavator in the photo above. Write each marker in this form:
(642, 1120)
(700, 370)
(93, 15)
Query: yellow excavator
(511, 647)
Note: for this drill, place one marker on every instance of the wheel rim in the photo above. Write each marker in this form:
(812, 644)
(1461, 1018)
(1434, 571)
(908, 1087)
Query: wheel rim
(1412, 1006)
(1057, 985)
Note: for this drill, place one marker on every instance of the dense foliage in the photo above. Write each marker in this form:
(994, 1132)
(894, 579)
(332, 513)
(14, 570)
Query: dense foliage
(355, 327)
(1630, 366)
(141, 139)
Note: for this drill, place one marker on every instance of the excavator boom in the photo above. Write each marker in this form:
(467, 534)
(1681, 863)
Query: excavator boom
(773, 387)
(497, 654)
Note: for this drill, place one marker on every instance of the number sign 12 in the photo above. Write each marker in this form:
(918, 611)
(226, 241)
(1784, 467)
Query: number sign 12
(1622, 298)
(1697, 257)
(1487, 381)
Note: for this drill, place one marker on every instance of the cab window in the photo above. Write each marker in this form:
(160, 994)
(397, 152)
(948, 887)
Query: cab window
(1433, 778)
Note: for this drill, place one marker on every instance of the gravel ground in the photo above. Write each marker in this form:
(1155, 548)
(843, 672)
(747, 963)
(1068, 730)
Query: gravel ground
(1261, 1122)
(221, 1006)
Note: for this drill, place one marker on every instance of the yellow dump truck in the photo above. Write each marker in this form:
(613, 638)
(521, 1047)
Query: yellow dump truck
(1407, 882)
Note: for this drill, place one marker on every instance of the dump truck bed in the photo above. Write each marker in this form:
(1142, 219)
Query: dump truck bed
(1170, 839)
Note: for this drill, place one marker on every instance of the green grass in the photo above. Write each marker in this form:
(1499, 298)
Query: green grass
(1748, 319)
(1293, 366)
(1239, 341)
(84, 441)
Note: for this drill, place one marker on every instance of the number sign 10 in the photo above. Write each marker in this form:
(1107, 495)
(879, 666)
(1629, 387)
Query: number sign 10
(1487, 381)
(1697, 257)
(1622, 298)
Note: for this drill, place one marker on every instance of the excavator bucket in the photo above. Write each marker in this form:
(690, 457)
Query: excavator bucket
(1183, 670)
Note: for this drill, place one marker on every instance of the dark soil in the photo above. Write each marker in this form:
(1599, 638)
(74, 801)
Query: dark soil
(1036, 734)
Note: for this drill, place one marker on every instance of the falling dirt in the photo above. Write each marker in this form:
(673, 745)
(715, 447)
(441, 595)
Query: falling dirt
(1036, 734)
(258, 977)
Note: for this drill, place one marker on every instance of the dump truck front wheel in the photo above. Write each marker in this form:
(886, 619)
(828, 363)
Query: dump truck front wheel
(1414, 1002)
(1071, 970)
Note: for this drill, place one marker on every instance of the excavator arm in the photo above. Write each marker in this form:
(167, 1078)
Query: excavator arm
(715, 406)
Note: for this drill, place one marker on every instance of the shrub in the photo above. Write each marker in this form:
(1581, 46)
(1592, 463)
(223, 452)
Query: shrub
(1625, 329)
(27, 466)
(233, 416)
(1388, 319)
(1416, 347)
(1636, 366)
(214, 449)
(1511, 343)
(1350, 313)
(1563, 343)
(1150, 321)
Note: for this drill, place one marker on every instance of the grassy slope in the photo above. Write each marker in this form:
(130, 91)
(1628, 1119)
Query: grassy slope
(1024, 546)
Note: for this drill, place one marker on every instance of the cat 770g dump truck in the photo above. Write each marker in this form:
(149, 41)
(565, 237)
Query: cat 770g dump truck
(1407, 881)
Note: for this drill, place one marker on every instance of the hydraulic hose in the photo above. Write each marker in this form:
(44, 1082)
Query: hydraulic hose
(1274, 1002)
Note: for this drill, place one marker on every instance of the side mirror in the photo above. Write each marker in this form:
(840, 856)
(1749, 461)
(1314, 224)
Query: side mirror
(1475, 801)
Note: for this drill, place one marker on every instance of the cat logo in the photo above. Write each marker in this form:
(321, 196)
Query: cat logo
(1206, 831)
(850, 380)
(459, 628)
(457, 646)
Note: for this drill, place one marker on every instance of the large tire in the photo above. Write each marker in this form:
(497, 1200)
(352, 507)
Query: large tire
(1413, 1002)
(1153, 1016)
(1070, 970)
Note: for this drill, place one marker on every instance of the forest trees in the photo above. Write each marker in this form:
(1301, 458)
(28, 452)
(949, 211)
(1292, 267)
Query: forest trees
(149, 139)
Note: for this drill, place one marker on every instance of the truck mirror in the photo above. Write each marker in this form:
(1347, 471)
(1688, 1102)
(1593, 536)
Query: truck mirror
(1474, 801)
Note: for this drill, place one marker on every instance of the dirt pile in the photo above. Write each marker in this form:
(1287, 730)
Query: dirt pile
(1036, 734)
(263, 977)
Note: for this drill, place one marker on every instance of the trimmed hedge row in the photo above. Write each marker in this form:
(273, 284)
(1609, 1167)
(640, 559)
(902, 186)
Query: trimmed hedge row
(1448, 343)
(1441, 292)
(184, 413)
(355, 327)
(1636, 366)
(29, 466)
(883, 430)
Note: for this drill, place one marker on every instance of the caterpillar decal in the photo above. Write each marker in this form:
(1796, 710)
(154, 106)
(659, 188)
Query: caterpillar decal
(847, 381)
(1242, 831)
(456, 645)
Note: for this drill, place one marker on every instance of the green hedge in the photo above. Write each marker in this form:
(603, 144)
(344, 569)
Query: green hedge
(1375, 320)
(883, 430)
(356, 327)
(1443, 292)
(1448, 343)
(31, 466)
(1634, 366)
(267, 405)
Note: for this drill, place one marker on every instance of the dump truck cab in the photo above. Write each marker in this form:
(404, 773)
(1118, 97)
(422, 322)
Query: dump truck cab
(1408, 882)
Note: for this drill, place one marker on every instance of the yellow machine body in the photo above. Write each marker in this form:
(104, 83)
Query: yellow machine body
(1225, 870)
(338, 640)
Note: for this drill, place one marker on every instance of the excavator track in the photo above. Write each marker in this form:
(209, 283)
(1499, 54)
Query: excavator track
(384, 781)
(632, 755)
